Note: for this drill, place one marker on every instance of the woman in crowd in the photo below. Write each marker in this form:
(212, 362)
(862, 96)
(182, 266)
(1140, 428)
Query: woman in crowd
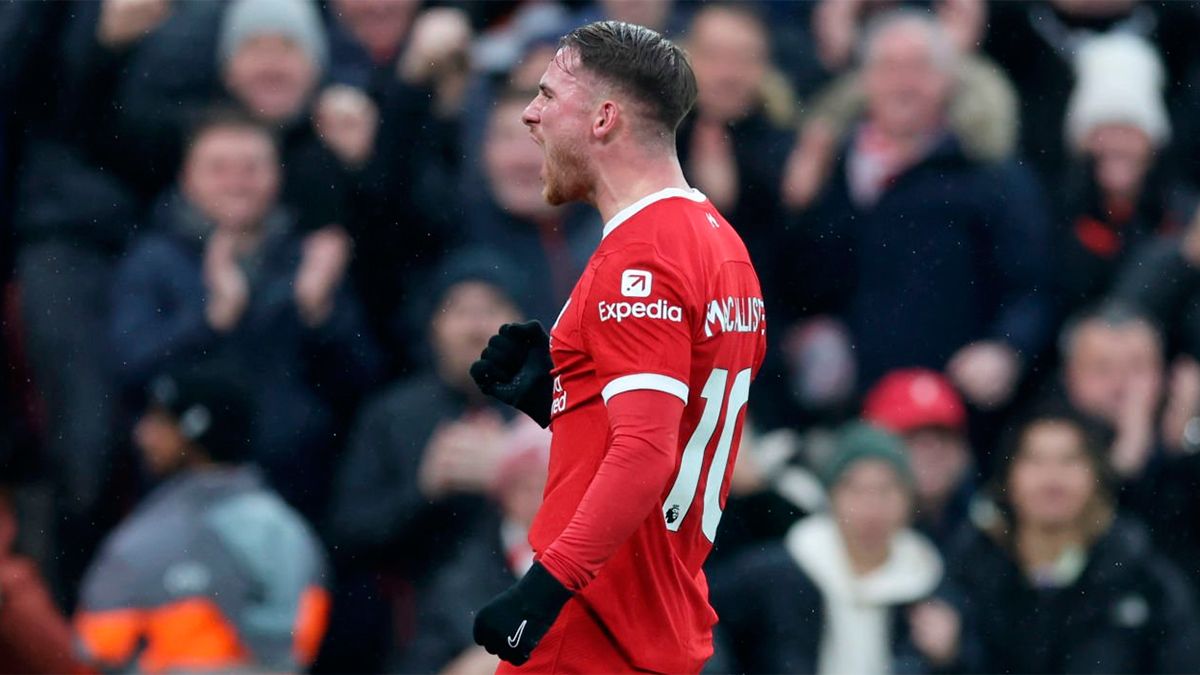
(1057, 581)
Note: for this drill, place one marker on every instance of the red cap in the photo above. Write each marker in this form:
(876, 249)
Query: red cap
(915, 398)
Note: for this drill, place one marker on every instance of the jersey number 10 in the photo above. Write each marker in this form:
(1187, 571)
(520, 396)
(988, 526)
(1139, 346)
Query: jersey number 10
(679, 500)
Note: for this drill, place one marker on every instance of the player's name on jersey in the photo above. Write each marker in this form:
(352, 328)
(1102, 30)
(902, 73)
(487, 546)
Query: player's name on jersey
(734, 315)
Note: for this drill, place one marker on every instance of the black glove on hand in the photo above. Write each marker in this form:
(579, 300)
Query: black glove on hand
(515, 368)
(514, 622)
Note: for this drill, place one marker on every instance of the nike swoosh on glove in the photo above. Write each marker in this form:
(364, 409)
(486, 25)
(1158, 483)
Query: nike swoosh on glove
(515, 368)
(514, 622)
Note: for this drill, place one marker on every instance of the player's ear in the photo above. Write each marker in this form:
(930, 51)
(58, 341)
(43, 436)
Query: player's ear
(605, 121)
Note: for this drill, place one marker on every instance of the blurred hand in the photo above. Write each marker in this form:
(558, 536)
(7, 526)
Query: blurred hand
(472, 661)
(124, 21)
(438, 45)
(228, 289)
(821, 362)
(808, 165)
(322, 267)
(1183, 401)
(936, 631)
(835, 24)
(346, 120)
(462, 456)
(986, 372)
(963, 21)
(1135, 425)
(712, 165)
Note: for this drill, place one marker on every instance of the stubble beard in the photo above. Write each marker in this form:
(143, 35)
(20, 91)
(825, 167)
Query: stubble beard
(567, 177)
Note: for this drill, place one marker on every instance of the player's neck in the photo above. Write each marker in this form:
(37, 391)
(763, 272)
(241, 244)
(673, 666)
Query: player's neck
(623, 183)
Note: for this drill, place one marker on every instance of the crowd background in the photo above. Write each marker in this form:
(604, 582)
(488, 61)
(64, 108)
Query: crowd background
(973, 446)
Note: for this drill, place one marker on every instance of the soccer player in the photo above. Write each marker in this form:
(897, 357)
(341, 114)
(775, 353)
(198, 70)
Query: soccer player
(643, 378)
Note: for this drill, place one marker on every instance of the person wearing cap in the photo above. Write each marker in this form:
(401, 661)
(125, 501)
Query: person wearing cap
(212, 571)
(491, 559)
(1056, 579)
(924, 409)
(848, 591)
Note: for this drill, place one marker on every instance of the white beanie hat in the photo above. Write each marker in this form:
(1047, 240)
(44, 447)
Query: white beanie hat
(297, 20)
(1119, 79)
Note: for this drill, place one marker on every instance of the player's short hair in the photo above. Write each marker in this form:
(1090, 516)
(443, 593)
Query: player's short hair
(642, 63)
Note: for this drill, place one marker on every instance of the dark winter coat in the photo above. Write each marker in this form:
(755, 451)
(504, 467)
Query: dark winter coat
(1159, 279)
(446, 606)
(952, 252)
(378, 513)
(302, 376)
(548, 255)
(1094, 241)
(760, 150)
(1129, 611)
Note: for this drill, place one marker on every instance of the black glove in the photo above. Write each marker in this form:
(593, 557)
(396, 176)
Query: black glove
(515, 368)
(514, 622)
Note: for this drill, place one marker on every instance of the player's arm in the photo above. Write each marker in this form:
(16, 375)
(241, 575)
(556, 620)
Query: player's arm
(643, 358)
(644, 427)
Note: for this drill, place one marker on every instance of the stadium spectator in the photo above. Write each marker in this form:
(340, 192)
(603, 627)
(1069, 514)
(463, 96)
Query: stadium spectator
(222, 274)
(547, 243)
(488, 562)
(212, 571)
(1038, 44)
(1059, 582)
(981, 110)
(366, 40)
(405, 211)
(1118, 192)
(907, 216)
(841, 592)
(413, 481)
(923, 407)
(734, 143)
(1163, 277)
(71, 220)
(1114, 369)
(423, 450)
(838, 26)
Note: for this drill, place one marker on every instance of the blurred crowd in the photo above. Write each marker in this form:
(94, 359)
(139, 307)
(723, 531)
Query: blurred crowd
(249, 249)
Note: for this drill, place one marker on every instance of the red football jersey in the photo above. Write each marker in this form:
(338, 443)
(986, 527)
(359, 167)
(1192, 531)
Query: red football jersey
(669, 301)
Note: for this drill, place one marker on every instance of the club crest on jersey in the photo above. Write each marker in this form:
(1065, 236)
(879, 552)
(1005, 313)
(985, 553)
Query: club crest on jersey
(636, 283)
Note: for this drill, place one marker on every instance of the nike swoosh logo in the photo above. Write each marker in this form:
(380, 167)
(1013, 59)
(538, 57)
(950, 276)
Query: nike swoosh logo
(515, 638)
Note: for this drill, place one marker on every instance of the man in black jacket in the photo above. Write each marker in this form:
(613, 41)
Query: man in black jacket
(932, 259)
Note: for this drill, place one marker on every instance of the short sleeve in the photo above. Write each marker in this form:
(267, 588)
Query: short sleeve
(636, 323)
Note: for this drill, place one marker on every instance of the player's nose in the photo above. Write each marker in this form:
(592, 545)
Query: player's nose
(531, 115)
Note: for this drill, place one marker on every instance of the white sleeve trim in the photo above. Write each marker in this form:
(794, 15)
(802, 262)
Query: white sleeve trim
(653, 381)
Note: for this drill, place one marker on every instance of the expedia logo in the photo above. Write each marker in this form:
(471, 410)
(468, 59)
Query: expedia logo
(640, 310)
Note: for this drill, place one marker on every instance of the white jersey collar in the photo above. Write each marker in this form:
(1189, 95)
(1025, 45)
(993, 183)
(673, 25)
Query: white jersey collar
(666, 193)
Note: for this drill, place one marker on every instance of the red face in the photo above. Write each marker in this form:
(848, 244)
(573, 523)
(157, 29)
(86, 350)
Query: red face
(559, 119)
